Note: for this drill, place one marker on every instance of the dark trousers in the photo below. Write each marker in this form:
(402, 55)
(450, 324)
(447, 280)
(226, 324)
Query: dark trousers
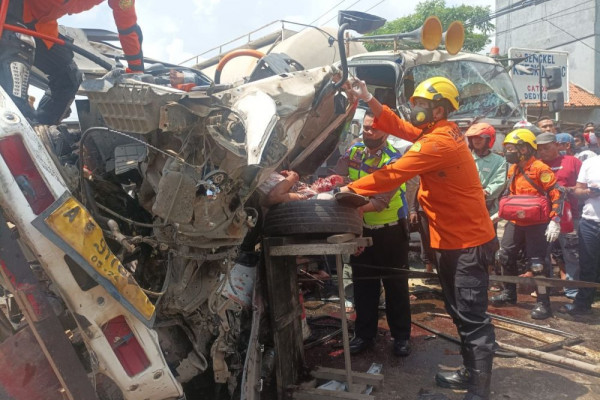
(464, 278)
(63, 75)
(589, 260)
(531, 239)
(389, 250)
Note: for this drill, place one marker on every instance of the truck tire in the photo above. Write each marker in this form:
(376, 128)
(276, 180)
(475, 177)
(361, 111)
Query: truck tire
(325, 217)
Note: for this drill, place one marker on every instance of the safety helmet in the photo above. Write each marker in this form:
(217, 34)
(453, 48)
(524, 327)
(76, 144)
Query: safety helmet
(523, 124)
(437, 88)
(482, 130)
(521, 136)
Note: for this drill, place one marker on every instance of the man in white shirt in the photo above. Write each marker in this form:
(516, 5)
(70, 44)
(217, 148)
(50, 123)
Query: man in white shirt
(588, 188)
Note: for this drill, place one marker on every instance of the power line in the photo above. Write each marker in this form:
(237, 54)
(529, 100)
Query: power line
(335, 16)
(576, 39)
(560, 13)
(327, 12)
(506, 10)
(372, 7)
(572, 41)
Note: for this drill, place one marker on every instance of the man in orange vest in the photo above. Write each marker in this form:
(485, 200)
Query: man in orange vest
(19, 52)
(462, 233)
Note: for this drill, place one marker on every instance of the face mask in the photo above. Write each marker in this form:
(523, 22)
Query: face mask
(512, 157)
(421, 116)
(373, 143)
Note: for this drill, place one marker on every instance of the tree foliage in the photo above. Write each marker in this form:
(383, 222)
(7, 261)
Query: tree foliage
(477, 32)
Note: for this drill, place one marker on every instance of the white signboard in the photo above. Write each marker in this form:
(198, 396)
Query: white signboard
(525, 74)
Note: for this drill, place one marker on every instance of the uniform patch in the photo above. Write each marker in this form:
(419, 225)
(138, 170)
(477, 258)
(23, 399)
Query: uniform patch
(416, 147)
(546, 177)
(125, 4)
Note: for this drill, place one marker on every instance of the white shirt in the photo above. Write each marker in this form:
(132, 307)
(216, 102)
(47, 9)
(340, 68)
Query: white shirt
(590, 175)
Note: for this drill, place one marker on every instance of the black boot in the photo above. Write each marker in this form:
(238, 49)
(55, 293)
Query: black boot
(479, 385)
(542, 309)
(507, 296)
(458, 379)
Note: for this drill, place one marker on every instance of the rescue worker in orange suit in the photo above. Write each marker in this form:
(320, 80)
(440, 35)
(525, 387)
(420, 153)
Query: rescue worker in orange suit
(462, 233)
(18, 53)
(528, 176)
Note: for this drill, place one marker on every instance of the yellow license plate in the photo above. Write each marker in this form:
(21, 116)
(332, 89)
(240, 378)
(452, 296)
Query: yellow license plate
(76, 227)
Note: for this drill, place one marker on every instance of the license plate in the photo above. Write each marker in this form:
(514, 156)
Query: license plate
(70, 223)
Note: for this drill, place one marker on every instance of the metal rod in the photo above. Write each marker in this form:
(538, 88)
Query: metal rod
(532, 326)
(346, 341)
(554, 359)
(438, 333)
(550, 344)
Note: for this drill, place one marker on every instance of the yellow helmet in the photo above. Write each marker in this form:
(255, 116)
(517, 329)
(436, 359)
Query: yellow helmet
(521, 136)
(437, 88)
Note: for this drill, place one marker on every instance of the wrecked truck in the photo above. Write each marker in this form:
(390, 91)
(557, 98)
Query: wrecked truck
(123, 230)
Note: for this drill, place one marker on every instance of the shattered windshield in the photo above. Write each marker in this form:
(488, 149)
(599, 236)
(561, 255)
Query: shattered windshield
(485, 89)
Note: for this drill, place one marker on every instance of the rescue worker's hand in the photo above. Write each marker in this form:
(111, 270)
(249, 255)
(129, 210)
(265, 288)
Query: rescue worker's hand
(552, 231)
(359, 89)
(359, 251)
(414, 218)
(495, 218)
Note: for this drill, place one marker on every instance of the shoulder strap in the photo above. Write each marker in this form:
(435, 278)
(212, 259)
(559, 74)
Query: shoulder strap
(532, 183)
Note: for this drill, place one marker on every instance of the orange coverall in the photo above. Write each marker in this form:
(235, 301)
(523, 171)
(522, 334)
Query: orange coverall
(541, 175)
(43, 15)
(450, 191)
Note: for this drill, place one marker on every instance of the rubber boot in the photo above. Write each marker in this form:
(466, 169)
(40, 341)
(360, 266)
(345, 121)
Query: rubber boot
(479, 385)
(542, 309)
(458, 379)
(507, 296)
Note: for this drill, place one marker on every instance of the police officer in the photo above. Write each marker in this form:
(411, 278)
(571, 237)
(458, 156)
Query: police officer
(18, 53)
(462, 233)
(528, 176)
(385, 221)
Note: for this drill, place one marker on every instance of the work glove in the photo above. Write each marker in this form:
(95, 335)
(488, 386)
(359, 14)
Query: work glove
(552, 231)
(495, 218)
(359, 89)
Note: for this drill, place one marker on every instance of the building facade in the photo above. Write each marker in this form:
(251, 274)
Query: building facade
(558, 25)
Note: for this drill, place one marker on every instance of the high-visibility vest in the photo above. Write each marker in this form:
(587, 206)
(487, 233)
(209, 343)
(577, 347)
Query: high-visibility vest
(361, 164)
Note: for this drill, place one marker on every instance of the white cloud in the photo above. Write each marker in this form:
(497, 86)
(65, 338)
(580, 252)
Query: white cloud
(205, 7)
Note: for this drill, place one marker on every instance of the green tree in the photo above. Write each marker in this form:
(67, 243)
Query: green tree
(477, 28)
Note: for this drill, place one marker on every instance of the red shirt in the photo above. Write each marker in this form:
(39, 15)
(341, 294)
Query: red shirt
(566, 169)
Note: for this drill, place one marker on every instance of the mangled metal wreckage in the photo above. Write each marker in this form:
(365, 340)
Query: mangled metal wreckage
(136, 218)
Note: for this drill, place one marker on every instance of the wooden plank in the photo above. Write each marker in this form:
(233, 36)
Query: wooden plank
(341, 238)
(312, 249)
(375, 380)
(284, 313)
(320, 394)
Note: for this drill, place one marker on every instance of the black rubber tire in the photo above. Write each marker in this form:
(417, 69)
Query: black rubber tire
(312, 217)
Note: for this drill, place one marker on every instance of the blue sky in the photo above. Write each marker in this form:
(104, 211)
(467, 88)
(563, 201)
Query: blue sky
(175, 30)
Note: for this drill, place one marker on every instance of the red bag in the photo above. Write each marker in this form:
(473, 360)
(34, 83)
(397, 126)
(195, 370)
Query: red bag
(525, 208)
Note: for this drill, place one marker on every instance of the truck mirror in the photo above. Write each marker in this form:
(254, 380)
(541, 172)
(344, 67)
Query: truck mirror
(553, 77)
(556, 100)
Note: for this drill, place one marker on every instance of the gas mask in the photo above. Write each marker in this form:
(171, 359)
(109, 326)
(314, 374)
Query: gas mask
(512, 157)
(373, 143)
(421, 116)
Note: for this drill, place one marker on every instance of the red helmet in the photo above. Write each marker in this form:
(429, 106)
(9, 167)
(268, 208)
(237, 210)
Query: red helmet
(484, 130)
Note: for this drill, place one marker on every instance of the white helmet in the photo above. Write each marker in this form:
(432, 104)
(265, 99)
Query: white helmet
(523, 124)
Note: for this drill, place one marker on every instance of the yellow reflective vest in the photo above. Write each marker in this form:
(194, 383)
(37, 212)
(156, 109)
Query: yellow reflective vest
(361, 164)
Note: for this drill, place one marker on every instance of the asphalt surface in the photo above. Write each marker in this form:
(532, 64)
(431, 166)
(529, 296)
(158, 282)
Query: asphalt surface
(513, 378)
